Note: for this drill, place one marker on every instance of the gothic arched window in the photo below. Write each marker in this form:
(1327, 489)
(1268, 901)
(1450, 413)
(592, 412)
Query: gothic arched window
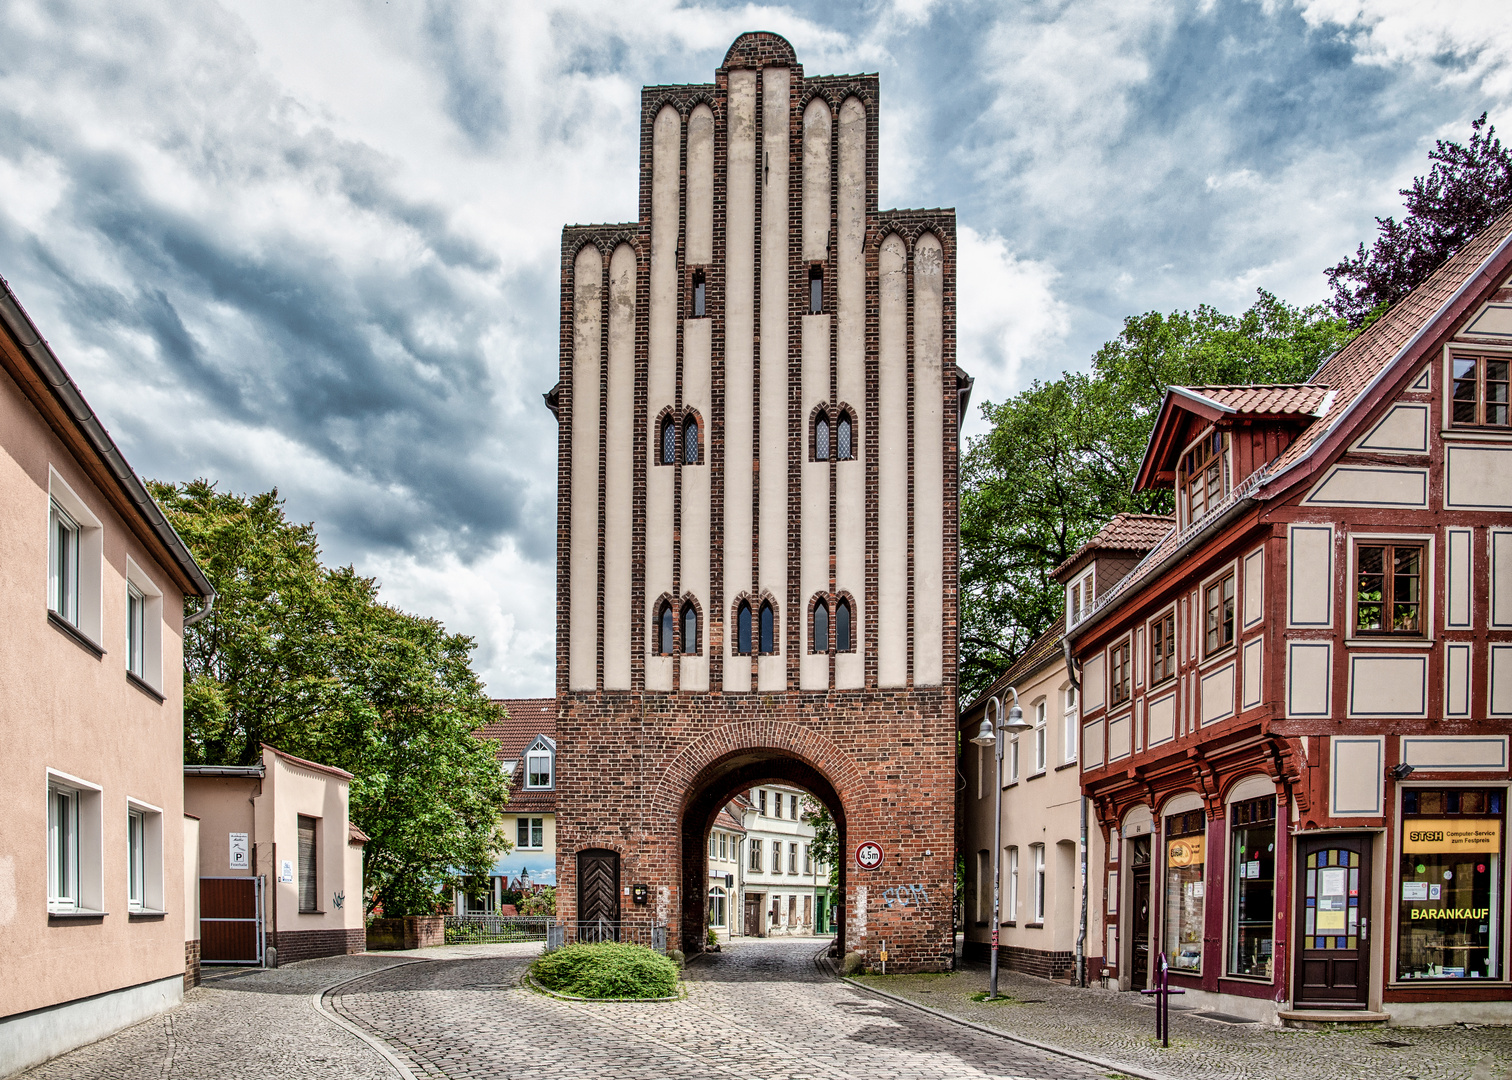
(690, 441)
(768, 628)
(689, 629)
(743, 628)
(821, 439)
(668, 442)
(844, 442)
(843, 626)
(667, 638)
(821, 627)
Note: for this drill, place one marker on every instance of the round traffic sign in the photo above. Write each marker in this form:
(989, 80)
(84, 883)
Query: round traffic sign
(869, 855)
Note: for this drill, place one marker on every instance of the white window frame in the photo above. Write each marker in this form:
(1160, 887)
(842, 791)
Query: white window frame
(81, 609)
(1041, 736)
(1079, 596)
(531, 757)
(1071, 727)
(792, 856)
(755, 866)
(721, 920)
(144, 657)
(148, 860)
(1039, 881)
(80, 889)
(1013, 759)
(1013, 883)
(532, 826)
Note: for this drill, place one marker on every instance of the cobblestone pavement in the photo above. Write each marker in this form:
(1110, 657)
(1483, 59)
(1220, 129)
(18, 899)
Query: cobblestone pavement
(1111, 1026)
(759, 1009)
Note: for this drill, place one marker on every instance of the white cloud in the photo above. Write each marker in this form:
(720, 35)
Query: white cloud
(1467, 41)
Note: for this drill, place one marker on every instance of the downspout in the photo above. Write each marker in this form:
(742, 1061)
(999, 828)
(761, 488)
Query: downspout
(1081, 931)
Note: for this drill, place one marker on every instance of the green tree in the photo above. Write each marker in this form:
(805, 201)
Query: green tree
(825, 847)
(307, 658)
(1061, 458)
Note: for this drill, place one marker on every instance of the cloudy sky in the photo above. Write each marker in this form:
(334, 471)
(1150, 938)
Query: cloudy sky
(314, 246)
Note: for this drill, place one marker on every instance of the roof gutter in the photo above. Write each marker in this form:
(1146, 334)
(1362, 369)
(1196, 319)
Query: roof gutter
(1217, 524)
(1386, 368)
(47, 365)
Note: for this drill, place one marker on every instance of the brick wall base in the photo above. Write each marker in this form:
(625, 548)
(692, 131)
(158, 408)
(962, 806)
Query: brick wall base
(295, 945)
(191, 964)
(1041, 963)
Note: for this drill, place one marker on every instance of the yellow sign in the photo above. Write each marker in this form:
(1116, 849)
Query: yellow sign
(1184, 852)
(1438, 835)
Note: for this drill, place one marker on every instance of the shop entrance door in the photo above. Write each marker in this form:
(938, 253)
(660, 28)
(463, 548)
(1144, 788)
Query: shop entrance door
(753, 914)
(1139, 910)
(1333, 922)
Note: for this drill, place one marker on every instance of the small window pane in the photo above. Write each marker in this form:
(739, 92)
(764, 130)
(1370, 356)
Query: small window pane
(690, 630)
(743, 623)
(690, 442)
(843, 626)
(821, 627)
(668, 629)
(700, 295)
(767, 642)
(669, 442)
(821, 439)
(843, 439)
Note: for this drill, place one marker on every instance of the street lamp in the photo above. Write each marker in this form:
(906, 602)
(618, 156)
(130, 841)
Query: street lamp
(992, 734)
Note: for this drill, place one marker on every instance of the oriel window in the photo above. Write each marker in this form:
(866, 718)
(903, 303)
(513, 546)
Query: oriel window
(1480, 391)
(1388, 589)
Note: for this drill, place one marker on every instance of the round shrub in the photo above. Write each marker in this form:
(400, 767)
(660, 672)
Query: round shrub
(607, 969)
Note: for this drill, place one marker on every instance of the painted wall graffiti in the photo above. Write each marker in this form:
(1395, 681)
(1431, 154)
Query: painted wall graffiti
(903, 895)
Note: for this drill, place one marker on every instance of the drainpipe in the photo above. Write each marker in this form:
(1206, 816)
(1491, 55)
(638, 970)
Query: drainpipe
(1081, 932)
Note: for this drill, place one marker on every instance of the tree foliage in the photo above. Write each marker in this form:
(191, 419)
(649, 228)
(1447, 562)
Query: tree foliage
(307, 658)
(825, 847)
(1467, 187)
(1061, 458)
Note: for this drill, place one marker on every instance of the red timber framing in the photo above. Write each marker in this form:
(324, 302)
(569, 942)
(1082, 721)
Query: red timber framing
(1342, 602)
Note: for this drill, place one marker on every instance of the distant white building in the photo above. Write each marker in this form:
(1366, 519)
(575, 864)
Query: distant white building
(784, 890)
(725, 841)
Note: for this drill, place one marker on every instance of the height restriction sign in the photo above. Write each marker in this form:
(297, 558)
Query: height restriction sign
(869, 855)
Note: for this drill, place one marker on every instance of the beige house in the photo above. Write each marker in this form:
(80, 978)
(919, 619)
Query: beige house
(92, 589)
(280, 862)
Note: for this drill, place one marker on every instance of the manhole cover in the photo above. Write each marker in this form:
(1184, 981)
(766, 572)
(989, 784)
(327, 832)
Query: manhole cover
(1391, 1043)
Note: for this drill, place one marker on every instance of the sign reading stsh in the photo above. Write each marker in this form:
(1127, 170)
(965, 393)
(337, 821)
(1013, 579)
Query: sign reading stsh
(239, 859)
(285, 871)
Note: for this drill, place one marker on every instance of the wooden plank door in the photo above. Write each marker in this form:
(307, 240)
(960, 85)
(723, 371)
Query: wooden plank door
(1333, 922)
(598, 885)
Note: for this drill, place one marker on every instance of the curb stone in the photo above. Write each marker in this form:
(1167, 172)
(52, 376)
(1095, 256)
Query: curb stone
(1101, 1063)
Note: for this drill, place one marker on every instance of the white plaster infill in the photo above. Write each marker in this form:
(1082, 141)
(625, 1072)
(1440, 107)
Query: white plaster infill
(31, 1038)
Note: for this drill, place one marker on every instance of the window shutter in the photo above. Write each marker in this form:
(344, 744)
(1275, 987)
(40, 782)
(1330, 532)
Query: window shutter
(307, 894)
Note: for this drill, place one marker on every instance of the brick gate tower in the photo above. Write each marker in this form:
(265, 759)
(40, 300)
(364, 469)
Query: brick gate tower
(756, 557)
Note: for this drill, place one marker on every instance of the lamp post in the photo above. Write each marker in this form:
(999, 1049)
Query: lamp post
(992, 734)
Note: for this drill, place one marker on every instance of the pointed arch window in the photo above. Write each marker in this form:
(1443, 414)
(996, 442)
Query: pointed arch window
(821, 438)
(689, 629)
(768, 628)
(844, 438)
(743, 628)
(820, 640)
(843, 625)
(667, 625)
(690, 441)
(668, 441)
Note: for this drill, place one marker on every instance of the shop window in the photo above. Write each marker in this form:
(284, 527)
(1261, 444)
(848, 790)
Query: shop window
(1218, 605)
(1252, 887)
(1185, 852)
(1388, 589)
(717, 906)
(1450, 911)
(1480, 390)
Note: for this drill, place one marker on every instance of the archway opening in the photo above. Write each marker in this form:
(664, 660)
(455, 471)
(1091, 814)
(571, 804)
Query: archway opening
(746, 894)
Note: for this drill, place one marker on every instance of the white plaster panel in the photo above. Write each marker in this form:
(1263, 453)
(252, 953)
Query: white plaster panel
(1120, 737)
(666, 168)
(814, 553)
(1388, 685)
(1092, 744)
(1403, 430)
(1455, 753)
(694, 567)
(694, 676)
(1500, 689)
(775, 514)
(771, 673)
(658, 672)
(1478, 477)
(587, 341)
(1458, 604)
(700, 222)
(1501, 578)
(1310, 576)
(1251, 787)
(619, 435)
(1218, 694)
(1162, 720)
(1359, 775)
(817, 124)
(1094, 688)
(1254, 587)
(1457, 679)
(740, 329)
(1309, 670)
(1421, 382)
(1254, 661)
(929, 462)
(892, 478)
(1355, 485)
(1491, 321)
(850, 382)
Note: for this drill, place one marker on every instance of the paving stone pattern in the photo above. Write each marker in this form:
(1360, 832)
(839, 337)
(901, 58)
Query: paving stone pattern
(1113, 1027)
(760, 1009)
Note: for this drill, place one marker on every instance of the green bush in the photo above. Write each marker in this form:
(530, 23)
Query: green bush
(607, 970)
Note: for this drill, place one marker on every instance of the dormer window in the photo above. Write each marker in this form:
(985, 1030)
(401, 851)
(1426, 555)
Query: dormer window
(1203, 478)
(1079, 598)
(539, 768)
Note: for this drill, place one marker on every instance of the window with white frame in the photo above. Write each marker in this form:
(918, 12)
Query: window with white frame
(136, 859)
(75, 551)
(792, 858)
(1071, 727)
(63, 564)
(761, 801)
(538, 769)
(793, 807)
(1013, 759)
(144, 627)
(718, 907)
(1039, 881)
(530, 832)
(756, 854)
(144, 857)
(1013, 869)
(1039, 737)
(1079, 598)
(724, 852)
(75, 863)
(713, 845)
(808, 859)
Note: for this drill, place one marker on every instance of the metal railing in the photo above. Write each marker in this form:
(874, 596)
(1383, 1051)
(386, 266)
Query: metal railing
(635, 932)
(494, 929)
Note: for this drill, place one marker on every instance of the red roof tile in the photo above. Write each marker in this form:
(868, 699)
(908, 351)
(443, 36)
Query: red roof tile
(1124, 532)
(1279, 399)
(527, 718)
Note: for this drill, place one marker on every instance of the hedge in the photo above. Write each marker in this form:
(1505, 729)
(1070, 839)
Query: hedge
(607, 969)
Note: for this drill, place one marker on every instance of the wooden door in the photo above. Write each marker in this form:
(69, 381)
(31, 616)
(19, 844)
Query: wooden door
(598, 886)
(231, 929)
(753, 915)
(1139, 928)
(1333, 922)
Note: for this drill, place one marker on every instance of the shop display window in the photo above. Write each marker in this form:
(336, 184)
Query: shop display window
(1185, 852)
(1449, 901)
(1252, 887)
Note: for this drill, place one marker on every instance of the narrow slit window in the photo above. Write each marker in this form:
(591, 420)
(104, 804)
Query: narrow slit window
(63, 564)
(690, 441)
(844, 441)
(668, 442)
(136, 630)
(743, 629)
(700, 295)
(690, 630)
(843, 626)
(768, 629)
(816, 290)
(668, 630)
(821, 439)
(821, 627)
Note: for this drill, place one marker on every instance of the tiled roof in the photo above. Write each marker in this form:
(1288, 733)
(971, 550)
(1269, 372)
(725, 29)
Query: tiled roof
(1281, 399)
(1041, 650)
(1124, 532)
(528, 717)
(729, 818)
(1349, 374)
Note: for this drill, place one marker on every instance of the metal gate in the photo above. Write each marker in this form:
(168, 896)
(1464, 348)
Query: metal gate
(231, 920)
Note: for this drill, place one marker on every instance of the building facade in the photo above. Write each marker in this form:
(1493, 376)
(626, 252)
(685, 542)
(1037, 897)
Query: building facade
(758, 408)
(785, 888)
(525, 744)
(1296, 708)
(93, 926)
(726, 873)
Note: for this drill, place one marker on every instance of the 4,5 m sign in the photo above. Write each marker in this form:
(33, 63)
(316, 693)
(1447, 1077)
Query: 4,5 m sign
(869, 855)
